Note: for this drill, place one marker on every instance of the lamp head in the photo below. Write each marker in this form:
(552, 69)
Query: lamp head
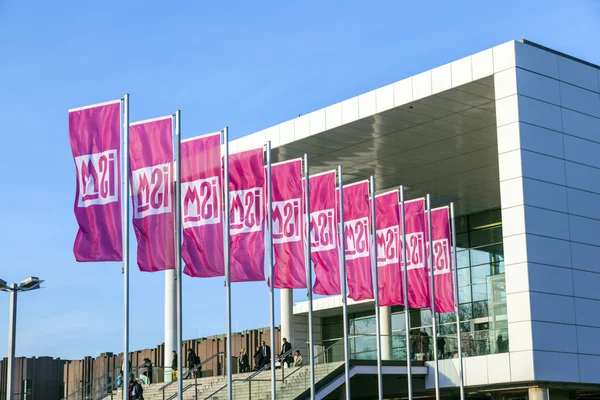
(31, 283)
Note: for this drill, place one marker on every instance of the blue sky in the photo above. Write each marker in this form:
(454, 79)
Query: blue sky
(248, 65)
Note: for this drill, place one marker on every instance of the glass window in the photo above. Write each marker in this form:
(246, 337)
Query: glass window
(462, 240)
(464, 277)
(484, 219)
(479, 292)
(462, 259)
(480, 309)
(465, 311)
(480, 273)
(461, 224)
(363, 325)
(486, 255)
(464, 294)
(483, 237)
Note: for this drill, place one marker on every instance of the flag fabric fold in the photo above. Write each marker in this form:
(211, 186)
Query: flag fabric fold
(357, 239)
(247, 216)
(418, 281)
(388, 249)
(323, 233)
(442, 260)
(288, 231)
(95, 138)
(202, 206)
(152, 193)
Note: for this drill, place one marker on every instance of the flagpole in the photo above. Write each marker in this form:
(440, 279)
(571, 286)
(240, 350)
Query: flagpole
(125, 233)
(455, 292)
(406, 302)
(431, 269)
(178, 253)
(376, 289)
(226, 233)
(309, 278)
(343, 281)
(271, 268)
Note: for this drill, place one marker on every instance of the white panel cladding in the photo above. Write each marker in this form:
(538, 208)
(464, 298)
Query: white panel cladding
(483, 64)
(504, 56)
(521, 366)
(462, 71)
(519, 337)
(441, 78)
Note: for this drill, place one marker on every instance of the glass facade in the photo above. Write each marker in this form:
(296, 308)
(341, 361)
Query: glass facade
(482, 302)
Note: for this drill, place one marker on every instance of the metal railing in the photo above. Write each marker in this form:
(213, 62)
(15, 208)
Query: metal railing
(284, 377)
(190, 371)
(281, 358)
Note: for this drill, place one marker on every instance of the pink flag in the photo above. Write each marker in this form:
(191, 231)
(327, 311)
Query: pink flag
(247, 221)
(151, 172)
(388, 249)
(288, 244)
(202, 206)
(418, 282)
(95, 136)
(323, 234)
(440, 231)
(357, 235)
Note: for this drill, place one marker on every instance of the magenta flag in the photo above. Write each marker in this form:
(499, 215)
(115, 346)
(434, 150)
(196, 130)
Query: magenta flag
(357, 236)
(388, 249)
(95, 137)
(246, 216)
(323, 234)
(151, 173)
(418, 281)
(288, 231)
(440, 232)
(202, 206)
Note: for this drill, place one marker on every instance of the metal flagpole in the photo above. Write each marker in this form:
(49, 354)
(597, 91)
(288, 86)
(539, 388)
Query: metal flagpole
(406, 302)
(309, 278)
(432, 299)
(455, 292)
(376, 289)
(271, 268)
(125, 233)
(343, 282)
(178, 266)
(226, 233)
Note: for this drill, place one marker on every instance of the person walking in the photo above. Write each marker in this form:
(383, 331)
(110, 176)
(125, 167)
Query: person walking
(193, 363)
(174, 366)
(257, 358)
(285, 354)
(148, 365)
(265, 353)
(243, 364)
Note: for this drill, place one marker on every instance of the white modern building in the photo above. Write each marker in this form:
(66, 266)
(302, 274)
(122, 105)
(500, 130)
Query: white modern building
(511, 135)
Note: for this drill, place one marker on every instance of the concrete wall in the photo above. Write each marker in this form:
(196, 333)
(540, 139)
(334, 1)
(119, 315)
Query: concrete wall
(548, 118)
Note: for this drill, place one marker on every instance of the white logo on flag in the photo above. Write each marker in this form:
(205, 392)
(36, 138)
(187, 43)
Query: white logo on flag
(287, 223)
(415, 250)
(387, 246)
(200, 201)
(151, 189)
(322, 230)
(98, 178)
(356, 233)
(246, 211)
(441, 256)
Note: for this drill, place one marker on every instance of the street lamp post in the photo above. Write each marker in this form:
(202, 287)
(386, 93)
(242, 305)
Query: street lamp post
(28, 284)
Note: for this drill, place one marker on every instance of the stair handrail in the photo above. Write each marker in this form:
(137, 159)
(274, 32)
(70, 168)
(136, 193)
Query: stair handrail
(193, 370)
(104, 387)
(313, 359)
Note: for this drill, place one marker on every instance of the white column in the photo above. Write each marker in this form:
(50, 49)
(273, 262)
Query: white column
(170, 321)
(286, 300)
(386, 333)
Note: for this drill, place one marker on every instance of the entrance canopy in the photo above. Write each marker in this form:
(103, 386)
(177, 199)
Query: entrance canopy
(434, 133)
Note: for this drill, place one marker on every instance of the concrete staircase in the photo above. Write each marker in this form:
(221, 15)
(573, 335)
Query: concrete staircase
(259, 388)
